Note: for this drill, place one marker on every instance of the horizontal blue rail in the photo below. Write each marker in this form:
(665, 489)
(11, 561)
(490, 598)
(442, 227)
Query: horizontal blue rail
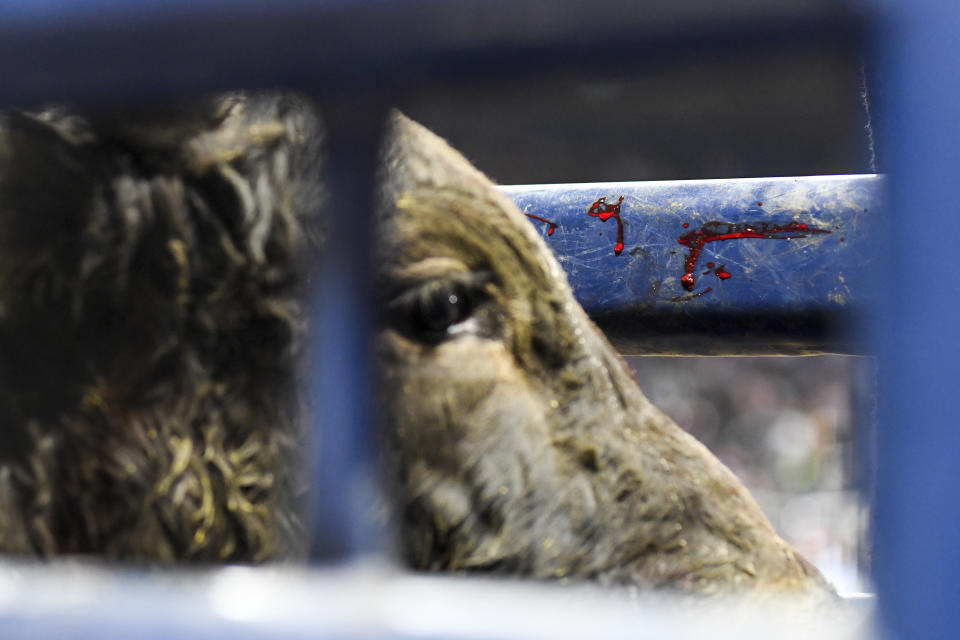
(121, 51)
(735, 262)
(358, 603)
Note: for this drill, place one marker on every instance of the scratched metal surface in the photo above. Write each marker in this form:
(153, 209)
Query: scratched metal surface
(792, 290)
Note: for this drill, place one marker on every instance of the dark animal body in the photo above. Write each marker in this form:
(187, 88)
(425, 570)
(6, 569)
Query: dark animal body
(152, 277)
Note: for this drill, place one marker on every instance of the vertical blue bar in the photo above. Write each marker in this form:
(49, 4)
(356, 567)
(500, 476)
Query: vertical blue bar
(342, 452)
(917, 535)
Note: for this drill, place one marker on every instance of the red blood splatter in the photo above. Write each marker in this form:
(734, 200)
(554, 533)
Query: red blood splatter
(710, 265)
(843, 239)
(759, 204)
(553, 225)
(601, 209)
(721, 271)
(686, 225)
(714, 231)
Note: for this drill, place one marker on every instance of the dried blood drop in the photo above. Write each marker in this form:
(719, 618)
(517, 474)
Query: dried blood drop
(552, 225)
(604, 210)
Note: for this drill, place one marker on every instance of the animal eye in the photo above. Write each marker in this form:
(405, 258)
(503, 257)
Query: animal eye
(438, 307)
(430, 310)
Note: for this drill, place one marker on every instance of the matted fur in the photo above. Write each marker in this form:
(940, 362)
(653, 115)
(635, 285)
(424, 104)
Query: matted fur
(152, 275)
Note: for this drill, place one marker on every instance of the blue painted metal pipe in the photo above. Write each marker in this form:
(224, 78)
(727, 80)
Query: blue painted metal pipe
(715, 266)
(121, 51)
(343, 457)
(917, 518)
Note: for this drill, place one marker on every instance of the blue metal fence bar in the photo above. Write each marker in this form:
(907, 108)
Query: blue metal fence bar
(368, 603)
(916, 553)
(715, 266)
(343, 450)
(126, 50)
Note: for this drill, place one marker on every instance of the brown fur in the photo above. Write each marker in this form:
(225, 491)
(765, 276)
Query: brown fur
(523, 444)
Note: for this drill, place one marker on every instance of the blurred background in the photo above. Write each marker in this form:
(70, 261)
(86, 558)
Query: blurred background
(788, 427)
(749, 111)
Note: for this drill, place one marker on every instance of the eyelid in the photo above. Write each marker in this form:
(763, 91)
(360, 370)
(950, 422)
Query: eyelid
(434, 268)
(469, 281)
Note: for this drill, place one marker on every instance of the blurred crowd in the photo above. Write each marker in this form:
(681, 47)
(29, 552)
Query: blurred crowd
(786, 427)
